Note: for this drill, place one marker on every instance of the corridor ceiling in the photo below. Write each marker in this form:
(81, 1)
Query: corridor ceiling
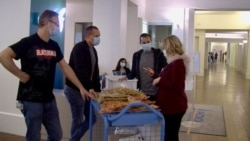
(225, 35)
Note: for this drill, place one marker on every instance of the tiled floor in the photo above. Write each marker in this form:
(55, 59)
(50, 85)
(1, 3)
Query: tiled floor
(219, 86)
(227, 87)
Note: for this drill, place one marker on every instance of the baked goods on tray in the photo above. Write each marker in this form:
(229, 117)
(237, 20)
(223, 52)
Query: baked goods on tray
(115, 99)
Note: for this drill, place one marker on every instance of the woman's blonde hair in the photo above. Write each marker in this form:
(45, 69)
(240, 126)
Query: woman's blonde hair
(173, 45)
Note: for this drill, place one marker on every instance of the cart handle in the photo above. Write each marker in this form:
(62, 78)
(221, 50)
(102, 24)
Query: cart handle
(136, 104)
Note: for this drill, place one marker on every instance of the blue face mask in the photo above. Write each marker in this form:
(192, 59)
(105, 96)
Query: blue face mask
(96, 41)
(146, 47)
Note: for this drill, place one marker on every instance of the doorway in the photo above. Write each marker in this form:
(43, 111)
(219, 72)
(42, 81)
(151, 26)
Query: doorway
(80, 31)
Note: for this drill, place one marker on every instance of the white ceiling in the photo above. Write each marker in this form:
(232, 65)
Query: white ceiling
(156, 11)
(159, 11)
(227, 34)
(224, 35)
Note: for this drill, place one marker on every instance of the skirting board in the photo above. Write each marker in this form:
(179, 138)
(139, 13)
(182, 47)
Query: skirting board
(12, 123)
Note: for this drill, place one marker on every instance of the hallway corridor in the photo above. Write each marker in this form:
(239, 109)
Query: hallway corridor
(227, 87)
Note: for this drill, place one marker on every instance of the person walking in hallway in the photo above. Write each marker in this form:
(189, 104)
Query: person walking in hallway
(215, 57)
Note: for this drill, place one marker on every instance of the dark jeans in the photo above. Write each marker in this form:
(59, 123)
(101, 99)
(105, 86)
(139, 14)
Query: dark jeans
(79, 109)
(172, 126)
(36, 114)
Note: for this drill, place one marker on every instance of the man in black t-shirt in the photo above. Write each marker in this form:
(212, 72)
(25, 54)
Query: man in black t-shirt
(39, 55)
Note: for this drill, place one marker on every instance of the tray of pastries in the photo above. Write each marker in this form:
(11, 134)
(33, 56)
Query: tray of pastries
(115, 99)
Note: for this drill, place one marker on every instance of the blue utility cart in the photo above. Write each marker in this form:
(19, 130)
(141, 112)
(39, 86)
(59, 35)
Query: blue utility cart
(126, 118)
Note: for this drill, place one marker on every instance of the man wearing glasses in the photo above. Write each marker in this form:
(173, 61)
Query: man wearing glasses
(39, 55)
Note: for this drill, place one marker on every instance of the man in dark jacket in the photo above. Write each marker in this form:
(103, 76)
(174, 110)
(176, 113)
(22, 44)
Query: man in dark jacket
(84, 62)
(144, 59)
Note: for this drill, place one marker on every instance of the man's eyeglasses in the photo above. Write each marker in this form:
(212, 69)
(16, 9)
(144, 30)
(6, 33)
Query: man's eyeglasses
(55, 23)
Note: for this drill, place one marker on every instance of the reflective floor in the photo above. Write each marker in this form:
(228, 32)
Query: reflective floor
(219, 86)
(227, 87)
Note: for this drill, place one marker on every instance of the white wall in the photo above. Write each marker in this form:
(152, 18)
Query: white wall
(156, 10)
(76, 11)
(177, 17)
(241, 54)
(231, 20)
(248, 58)
(111, 18)
(13, 27)
(133, 32)
(233, 47)
(141, 4)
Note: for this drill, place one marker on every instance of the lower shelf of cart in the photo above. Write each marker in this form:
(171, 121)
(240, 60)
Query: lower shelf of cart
(130, 119)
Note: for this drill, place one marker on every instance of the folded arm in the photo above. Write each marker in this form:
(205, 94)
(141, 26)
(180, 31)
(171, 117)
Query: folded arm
(6, 59)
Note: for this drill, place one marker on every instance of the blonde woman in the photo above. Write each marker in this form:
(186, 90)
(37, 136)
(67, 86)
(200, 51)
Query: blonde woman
(171, 96)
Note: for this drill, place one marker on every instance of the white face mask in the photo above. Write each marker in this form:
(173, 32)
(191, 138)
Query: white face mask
(122, 64)
(146, 47)
(54, 32)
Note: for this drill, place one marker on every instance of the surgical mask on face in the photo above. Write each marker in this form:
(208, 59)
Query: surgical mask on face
(146, 47)
(122, 64)
(54, 32)
(96, 41)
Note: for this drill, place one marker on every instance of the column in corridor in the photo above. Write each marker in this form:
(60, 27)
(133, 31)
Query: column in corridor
(201, 48)
(233, 47)
(110, 16)
(188, 43)
(248, 58)
(207, 50)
